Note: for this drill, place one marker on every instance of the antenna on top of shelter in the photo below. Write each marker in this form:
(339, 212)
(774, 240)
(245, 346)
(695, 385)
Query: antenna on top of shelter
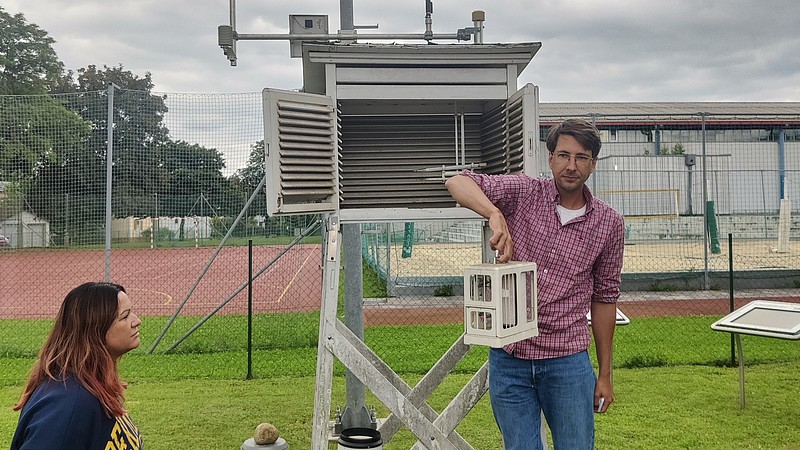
(315, 28)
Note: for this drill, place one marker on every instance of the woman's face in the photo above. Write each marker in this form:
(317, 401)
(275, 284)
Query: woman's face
(123, 335)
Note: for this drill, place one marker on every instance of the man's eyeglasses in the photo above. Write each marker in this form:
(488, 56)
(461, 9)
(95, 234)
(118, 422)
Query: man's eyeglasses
(580, 160)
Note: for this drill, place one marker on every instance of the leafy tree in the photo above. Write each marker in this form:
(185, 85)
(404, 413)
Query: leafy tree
(676, 149)
(28, 62)
(36, 131)
(53, 148)
(253, 172)
(138, 132)
(39, 137)
(250, 176)
(194, 180)
(41, 143)
(137, 115)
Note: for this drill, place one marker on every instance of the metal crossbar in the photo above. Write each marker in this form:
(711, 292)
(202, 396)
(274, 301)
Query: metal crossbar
(408, 406)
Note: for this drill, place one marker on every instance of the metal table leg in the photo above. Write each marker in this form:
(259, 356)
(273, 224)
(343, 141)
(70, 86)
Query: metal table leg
(741, 369)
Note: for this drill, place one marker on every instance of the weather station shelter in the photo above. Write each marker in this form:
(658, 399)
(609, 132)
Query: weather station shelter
(372, 137)
(403, 115)
(402, 118)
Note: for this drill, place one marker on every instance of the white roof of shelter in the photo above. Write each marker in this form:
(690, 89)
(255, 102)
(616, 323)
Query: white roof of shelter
(456, 56)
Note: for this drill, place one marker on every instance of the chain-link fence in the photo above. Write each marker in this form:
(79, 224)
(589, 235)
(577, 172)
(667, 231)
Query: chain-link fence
(175, 230)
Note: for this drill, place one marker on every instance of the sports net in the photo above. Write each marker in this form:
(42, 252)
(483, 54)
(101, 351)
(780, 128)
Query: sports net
(640, 203)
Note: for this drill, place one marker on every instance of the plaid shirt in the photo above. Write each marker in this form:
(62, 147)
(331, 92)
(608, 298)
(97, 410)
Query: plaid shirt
(576, 263)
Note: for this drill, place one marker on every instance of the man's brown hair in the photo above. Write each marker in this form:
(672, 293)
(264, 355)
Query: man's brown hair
(581, 129)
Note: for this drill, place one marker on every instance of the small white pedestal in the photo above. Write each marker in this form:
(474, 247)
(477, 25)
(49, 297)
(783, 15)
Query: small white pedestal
(250, 444)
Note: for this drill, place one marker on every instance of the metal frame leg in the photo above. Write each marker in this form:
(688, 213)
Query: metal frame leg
(741, 369)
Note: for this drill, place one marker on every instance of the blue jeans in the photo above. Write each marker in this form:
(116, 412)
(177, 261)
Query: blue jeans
(562, 388)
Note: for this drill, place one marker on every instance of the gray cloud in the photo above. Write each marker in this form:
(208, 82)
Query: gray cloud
(634, 50)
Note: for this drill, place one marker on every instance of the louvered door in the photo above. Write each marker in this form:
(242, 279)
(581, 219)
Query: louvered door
(300, 139)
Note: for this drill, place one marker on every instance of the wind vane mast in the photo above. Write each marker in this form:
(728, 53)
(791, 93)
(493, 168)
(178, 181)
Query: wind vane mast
(315, 28)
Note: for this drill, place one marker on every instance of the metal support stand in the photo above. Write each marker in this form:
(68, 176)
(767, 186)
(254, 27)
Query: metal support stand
(407, 405)
(741, 368)
(355, 413)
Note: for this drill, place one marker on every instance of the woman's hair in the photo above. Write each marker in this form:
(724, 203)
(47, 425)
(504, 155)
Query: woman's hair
(581, 129)
(77, 345)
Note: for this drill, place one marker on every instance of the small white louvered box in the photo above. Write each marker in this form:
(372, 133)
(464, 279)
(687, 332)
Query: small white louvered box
(500, 303)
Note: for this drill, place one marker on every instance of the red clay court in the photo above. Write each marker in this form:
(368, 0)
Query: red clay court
(34, 282)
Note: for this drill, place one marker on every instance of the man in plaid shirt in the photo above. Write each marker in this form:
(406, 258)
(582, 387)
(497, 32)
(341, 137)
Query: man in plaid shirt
(577, 243)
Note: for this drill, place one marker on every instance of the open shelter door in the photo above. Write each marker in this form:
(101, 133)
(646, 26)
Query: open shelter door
(300, 146)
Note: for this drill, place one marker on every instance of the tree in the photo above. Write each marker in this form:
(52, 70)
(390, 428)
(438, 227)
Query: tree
(194, 181)
(53, 148)
(138, 132)
(676, 149)
(250, 176)
(253, 172)
(36, 131)
(44, 154)
(28, 62)
(39, 138)
(137, 115)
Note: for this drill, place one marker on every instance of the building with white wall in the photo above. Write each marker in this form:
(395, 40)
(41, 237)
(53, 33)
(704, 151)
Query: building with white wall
(744, 155)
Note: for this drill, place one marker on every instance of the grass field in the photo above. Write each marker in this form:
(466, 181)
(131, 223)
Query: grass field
(279, 338)
(671, 394)
(683, 407)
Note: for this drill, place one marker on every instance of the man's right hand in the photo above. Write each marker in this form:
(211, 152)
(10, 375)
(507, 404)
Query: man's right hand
(467, 193)
(501, 238)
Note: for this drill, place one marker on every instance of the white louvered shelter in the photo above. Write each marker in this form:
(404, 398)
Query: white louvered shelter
(372, 138)
(376, 124)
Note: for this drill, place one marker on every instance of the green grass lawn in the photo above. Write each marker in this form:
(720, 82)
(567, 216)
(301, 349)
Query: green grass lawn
(285, 345)
(675, 386)
(682, 407)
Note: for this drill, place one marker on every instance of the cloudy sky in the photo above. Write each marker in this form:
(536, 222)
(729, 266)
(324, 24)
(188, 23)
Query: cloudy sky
(614, 50)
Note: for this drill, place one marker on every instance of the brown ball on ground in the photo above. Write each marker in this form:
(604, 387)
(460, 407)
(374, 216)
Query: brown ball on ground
(265, 434)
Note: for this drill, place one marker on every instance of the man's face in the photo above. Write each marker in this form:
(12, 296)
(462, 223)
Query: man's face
(571, 164)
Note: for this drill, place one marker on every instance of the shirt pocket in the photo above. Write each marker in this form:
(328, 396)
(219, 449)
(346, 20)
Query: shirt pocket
(578, 249)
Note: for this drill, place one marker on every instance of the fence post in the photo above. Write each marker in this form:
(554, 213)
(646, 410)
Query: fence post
(764, 205)
(109, 165)
(731, 305)
(706, 281)
(249, 309)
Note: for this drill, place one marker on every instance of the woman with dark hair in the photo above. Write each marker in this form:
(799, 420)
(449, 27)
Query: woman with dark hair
(74, 396)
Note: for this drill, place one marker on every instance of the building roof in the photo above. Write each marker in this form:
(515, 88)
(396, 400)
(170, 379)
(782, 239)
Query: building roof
(677, 112)
(317, 54)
